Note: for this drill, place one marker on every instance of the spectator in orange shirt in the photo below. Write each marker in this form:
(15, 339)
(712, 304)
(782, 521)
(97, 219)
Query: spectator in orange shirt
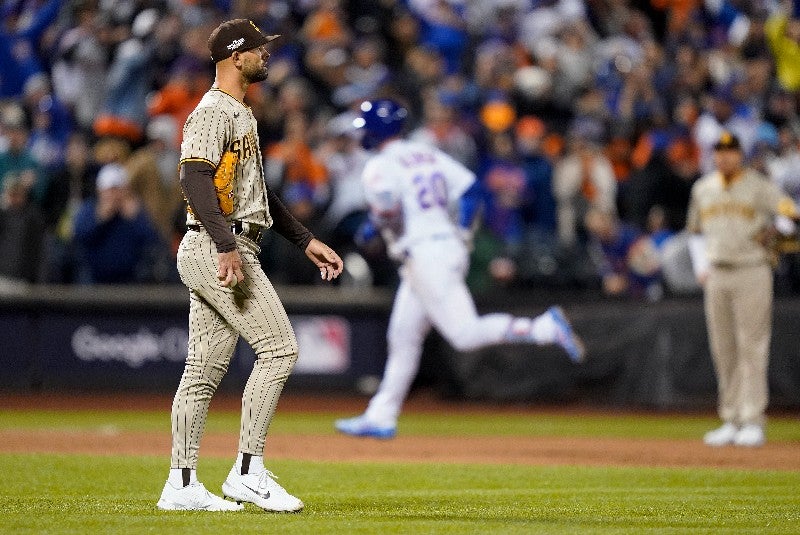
(187, 84)
(292, 167)
(327, 24)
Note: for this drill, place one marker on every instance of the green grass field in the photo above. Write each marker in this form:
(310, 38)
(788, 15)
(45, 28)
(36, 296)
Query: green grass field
(105, 494)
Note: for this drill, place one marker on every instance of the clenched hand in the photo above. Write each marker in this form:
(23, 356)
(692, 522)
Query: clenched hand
(230, 269)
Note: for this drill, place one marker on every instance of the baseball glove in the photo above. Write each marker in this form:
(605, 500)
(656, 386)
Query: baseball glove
(224, 181)
(778, 244)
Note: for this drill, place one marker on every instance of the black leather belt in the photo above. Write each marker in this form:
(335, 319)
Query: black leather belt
(251, 231)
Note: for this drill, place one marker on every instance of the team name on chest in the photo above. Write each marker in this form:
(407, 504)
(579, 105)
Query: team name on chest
(413, 159)
(728, 208)
(245, 147)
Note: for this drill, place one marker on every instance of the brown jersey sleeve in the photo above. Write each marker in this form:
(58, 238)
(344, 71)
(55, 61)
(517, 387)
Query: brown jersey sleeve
(285, 223)
(198, 187)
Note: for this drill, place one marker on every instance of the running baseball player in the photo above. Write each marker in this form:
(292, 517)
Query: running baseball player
(411, 189)
(229, 207)
(730, 209)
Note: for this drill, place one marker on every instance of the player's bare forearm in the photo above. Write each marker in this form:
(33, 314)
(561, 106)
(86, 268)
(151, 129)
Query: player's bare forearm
(329, 264)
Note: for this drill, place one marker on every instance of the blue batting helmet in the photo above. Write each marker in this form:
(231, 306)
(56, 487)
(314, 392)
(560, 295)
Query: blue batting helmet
(380, 120)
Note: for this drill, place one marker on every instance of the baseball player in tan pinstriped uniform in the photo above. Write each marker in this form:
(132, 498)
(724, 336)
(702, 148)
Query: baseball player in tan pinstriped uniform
(229, 208)
(730, 209)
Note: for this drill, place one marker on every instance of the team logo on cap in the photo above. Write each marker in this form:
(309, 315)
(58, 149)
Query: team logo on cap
(236, 44)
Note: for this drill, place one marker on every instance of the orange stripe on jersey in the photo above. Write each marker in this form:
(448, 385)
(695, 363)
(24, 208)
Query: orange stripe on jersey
(209, 162)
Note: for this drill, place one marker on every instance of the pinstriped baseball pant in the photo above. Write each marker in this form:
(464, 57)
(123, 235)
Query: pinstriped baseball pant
(217, 316)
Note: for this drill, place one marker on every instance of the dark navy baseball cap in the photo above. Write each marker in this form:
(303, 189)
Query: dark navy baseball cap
(380, 120)
(237, 35)
(728, 141)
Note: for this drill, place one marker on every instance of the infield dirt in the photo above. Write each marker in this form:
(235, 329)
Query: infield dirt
(594, 451)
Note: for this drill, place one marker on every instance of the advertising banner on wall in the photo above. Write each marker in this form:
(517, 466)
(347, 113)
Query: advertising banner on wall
(148, 350)
(639, 354)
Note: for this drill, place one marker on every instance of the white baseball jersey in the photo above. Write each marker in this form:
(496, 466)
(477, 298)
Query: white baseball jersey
(421, 182)
(222, 123)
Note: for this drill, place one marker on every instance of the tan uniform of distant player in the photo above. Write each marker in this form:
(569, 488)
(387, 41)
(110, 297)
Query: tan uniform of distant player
(230, 206)
(731, 207)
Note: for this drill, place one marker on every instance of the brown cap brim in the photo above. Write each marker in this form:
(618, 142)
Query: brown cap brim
(236, 35)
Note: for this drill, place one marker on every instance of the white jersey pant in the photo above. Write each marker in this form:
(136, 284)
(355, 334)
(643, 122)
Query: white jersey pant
(433, 293)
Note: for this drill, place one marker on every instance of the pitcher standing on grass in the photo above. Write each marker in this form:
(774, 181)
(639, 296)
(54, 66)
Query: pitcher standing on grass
(230, 207)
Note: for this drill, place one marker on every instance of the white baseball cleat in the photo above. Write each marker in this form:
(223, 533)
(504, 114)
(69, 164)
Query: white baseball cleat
(193, 497)
(360, 426)
(722, 436)
(260, 489)
(750, 436)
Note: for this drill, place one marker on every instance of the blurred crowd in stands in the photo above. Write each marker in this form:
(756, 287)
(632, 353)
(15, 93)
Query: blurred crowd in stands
(587, 123)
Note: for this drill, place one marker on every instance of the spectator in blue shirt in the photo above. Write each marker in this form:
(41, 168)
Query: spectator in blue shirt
(117, 239)
(628, 261)
(529, 133)
(19, 45)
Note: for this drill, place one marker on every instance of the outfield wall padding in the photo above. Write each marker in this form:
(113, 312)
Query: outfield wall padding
(638, 354)
(133, 339)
